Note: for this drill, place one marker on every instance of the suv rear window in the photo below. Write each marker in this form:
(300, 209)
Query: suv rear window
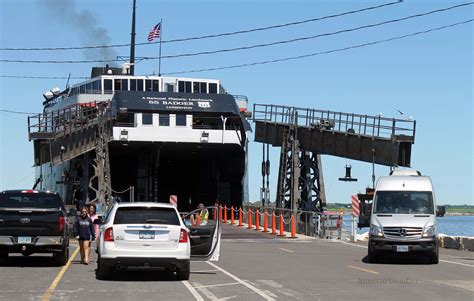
(30, 200)
(146, 215)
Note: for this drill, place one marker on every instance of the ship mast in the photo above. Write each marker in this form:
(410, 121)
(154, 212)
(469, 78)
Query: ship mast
(132, 42)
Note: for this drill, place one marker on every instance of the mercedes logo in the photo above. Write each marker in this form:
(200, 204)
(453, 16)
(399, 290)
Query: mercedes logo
(25, 220)
(402, 232)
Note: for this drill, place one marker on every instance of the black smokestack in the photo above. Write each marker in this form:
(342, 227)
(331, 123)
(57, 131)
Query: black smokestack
(84, 23)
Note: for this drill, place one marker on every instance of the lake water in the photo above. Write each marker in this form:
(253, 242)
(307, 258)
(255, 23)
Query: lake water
(449, 225)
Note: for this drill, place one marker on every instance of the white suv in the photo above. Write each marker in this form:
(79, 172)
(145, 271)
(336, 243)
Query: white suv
(153, 235)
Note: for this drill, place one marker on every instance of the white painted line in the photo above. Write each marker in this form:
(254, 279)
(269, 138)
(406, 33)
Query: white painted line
(453, 262)
(193, 291)
(253, 288)
(206, 292)
(214, 285)
(351, 244)
(361, 269)
(283, 249)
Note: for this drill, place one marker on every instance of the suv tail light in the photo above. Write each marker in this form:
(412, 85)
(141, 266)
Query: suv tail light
(109, 234)
(62, 223)
(184, 236)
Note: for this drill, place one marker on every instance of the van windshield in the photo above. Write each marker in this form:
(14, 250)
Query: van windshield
(404, 202)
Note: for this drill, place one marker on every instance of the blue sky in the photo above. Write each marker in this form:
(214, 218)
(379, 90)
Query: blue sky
(428, 77)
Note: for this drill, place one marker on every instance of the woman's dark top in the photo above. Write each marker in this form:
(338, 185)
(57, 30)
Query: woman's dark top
(84, 228)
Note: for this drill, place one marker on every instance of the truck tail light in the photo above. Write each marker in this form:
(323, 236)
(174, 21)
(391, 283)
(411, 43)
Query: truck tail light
(183, 238)
(62, 223)
(109, 234)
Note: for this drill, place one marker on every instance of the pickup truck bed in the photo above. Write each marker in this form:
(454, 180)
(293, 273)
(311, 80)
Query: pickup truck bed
(33, 222)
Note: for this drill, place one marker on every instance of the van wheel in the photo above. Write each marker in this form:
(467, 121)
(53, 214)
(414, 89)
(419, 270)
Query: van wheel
(434, 258)
(183, 274)
(373, 258)
(62, 257)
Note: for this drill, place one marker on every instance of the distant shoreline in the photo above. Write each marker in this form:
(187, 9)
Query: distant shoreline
(459, 214)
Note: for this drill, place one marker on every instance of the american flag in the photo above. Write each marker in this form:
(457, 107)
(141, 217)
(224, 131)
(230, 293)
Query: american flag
(155, 32)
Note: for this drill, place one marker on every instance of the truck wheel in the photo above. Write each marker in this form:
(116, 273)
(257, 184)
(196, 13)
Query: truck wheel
(101, 273)
(372, 256)
(62, 257)
(183, 274)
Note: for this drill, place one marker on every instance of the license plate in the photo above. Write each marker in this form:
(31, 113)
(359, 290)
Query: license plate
(402, 248)
(24, 239)
(146, 234)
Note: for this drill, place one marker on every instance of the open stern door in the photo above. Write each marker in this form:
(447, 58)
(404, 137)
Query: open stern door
(204, 233)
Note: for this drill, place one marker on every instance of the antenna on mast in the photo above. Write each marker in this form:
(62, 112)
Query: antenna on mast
(132, 42)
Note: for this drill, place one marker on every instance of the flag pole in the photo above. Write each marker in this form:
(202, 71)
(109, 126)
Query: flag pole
(159, 60)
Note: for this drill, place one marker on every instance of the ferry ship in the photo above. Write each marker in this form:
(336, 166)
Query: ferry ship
(124, 137)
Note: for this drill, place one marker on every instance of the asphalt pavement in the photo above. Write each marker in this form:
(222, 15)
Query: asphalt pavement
(253, 266)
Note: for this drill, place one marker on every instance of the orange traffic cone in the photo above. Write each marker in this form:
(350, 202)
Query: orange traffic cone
(249, 219)
(282, 225)
(257, 220)
(232, 215)
(225, 214)
(293, 229)
(274, 227)
(240, 217)
(265, 221)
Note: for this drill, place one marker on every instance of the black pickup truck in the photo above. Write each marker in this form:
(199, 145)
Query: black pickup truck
(33, 222)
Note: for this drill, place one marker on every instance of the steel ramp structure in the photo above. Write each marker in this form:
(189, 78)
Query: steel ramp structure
(305, 134)
(373, 139)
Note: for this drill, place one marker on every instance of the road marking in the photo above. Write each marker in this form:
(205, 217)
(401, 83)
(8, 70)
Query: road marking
(193, 291)
(287, 250)
(361, 269)
(447, 261)
(52, 287)
(453, 262)
(253, 288)
(204, 271)
(214, 285)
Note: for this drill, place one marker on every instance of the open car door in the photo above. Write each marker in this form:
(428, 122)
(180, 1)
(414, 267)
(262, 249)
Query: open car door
(204, 233)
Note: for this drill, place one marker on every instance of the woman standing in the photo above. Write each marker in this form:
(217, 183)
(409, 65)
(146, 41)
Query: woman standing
(85, 233)
(93, 216)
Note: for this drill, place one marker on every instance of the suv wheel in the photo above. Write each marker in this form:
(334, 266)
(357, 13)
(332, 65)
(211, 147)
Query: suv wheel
(101, 272)
(183, 274)
(62, 257)
(3, 255)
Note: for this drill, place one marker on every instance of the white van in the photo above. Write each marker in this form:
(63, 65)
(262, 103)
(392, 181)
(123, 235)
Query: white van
(403, 218)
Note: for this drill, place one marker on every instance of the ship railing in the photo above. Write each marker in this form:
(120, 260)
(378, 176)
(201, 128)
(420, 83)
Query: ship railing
(49, 125)
(367, 125)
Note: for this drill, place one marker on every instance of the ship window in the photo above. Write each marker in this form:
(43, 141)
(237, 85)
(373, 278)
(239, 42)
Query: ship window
(118, 85)
(196, 87)
(82, 89)
(180, 120)
(124, 84)
(89, 88)
(133, 85)
(147, 118)
(139, 85)
(169, 88)
(203, 87)
(95, 86)
(164, 119)
(156, 85)
(148, 85)
(107, 85)
(212, 88)
(188, 87)
(180, 86)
